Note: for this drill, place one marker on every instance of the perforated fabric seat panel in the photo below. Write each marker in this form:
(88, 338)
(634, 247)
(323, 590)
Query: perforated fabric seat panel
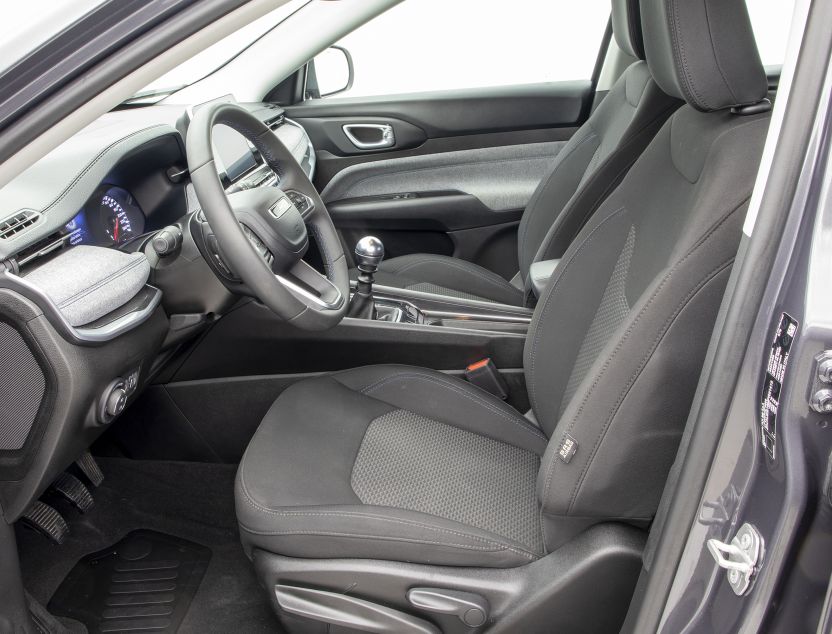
(611, 312)
(412, 462)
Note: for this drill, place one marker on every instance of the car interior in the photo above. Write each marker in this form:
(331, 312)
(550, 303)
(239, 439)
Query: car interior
(411, 364)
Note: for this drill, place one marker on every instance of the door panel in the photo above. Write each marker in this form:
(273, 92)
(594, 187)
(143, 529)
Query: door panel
(431, 203)
(459, 170)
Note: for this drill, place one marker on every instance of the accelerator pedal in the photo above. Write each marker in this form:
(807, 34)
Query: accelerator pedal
(74, 491)
(89, 467)
(47, 521)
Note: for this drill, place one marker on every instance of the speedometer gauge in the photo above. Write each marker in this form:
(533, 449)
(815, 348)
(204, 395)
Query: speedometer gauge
(121, 218)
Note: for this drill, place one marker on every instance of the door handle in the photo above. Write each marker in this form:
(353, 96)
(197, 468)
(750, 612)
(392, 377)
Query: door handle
(370, 136)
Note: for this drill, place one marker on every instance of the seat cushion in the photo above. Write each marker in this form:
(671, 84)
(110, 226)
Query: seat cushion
(443, 275)
(393, 463)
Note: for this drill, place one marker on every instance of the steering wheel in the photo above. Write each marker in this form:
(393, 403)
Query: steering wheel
(259, 235)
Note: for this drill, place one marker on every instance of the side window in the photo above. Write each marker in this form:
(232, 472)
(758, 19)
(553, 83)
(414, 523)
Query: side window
(770, 20)
(428, 45)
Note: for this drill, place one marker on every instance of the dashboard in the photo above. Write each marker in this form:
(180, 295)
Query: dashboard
(115, 184)
(125, 176)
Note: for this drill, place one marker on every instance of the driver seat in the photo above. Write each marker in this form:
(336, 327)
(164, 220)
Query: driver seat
(367, 483)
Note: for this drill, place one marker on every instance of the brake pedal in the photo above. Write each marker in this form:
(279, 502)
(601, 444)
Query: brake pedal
(89, 467)
(74, 491)
(47, 521)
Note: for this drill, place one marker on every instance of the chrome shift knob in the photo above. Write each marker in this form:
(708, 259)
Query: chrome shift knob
(369, 252)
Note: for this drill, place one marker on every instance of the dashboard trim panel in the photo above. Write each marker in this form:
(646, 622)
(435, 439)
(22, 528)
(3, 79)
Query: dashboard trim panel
(82, 335)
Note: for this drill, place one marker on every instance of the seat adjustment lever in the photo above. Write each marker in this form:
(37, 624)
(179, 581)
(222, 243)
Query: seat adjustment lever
(472, 609)
(347, 611)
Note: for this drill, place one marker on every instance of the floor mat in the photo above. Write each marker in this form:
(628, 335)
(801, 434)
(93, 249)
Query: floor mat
(145, 582)
(193, 501)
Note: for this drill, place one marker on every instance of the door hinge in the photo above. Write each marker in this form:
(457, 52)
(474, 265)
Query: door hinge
(741, 559)
(821, 398)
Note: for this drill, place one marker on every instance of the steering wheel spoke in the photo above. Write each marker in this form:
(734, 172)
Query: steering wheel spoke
(306, 283)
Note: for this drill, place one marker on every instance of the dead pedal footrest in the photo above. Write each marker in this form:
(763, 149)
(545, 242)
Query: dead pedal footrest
(74, 491)
(47, 521)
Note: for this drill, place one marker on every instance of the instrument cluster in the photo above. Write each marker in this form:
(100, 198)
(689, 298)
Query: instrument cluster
(112, 217)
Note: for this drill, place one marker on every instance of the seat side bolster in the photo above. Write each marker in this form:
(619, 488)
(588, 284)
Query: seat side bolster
(624, 430)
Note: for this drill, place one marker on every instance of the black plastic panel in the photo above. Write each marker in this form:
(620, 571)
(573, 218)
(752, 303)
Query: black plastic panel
(434, 211)
(449, 113)
(585, 586)
(251, 340)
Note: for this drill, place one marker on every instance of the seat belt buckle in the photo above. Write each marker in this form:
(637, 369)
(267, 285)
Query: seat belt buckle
(485, 375)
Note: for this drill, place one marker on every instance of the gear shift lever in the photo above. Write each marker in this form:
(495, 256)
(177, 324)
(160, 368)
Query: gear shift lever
(369, 252)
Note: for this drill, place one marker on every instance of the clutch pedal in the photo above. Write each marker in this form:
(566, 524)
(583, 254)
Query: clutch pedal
(74, 491)
(47, 521)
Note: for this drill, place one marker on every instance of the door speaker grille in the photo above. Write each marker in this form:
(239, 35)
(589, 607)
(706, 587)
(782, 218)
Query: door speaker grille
(22, 389)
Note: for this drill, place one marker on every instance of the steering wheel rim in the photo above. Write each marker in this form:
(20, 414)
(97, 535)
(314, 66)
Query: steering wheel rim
(287, 285)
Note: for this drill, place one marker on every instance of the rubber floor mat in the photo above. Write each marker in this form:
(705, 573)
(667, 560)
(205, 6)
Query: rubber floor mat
(144, 583)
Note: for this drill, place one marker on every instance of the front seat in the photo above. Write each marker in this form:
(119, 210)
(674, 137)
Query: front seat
(585, 171)
(370, 482)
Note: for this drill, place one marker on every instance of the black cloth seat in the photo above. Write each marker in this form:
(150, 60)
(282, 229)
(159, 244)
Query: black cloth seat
(406, 464)
(444, 275)
(585, 171)
(393, 462)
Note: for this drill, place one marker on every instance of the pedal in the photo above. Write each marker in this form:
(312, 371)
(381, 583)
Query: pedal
(47, 521)
(89, 467)
(75, 491)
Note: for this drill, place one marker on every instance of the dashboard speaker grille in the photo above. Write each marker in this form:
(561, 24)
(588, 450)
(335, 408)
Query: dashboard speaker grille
(22, 389)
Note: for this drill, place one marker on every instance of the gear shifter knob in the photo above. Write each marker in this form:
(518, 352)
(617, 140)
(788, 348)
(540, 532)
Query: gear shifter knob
(369, 252)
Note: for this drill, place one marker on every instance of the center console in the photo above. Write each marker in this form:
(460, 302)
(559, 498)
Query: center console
(397, 305)
(404, 306)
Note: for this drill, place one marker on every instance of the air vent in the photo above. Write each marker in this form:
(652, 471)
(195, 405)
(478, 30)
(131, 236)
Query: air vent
(17, 223)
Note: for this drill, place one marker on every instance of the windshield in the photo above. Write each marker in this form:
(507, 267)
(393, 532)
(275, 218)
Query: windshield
(215, 56)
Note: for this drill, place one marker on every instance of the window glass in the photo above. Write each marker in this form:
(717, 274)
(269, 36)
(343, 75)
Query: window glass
(770, 20)
(426, 45)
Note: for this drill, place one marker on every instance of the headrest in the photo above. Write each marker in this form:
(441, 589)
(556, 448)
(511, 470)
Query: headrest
(626, 27)
(703, 51)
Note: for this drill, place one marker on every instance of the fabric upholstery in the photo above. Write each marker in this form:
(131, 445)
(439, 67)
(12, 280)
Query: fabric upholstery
(583, 174)
(370, 463)
(703, 51)
(444, 275)
(624, 404)
(87, 282)
(412, 462)
(626, 27)
(612, 360)
(502, 178)
(593, 163)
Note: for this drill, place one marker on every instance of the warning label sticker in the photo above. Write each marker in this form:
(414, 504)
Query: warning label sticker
(778, 360)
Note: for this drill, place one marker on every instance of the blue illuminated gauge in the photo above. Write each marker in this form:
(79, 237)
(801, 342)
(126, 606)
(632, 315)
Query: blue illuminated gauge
(120, 217)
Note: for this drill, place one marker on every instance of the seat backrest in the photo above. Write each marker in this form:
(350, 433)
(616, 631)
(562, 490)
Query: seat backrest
(594, 160)
(619, 336)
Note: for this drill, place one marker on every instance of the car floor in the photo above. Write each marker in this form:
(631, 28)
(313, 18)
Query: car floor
(193, 501)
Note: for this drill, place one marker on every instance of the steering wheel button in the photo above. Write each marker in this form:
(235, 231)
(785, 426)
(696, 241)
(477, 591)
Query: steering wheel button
(280, 207)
